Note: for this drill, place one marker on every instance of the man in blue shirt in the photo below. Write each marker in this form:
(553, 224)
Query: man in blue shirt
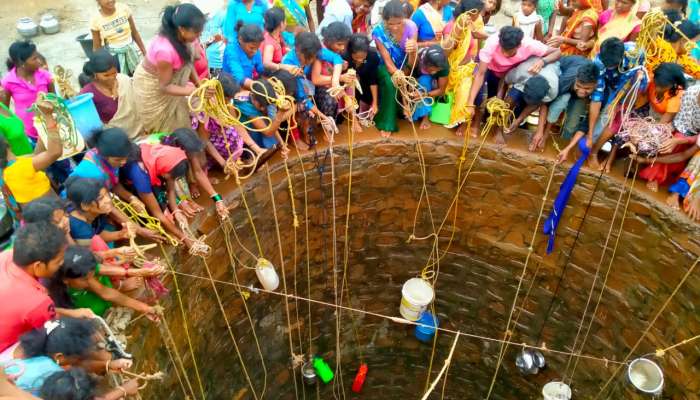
(620, 66)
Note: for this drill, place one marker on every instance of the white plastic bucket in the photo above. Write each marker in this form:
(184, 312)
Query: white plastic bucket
(646, 376)
(417, 294)
(556, 391)
(267, 275)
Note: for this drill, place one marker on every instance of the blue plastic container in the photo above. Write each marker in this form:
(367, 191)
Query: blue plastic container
(82, 109)
(426, 333)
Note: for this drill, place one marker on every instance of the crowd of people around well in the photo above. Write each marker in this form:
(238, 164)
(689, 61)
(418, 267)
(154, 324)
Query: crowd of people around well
(71, 259)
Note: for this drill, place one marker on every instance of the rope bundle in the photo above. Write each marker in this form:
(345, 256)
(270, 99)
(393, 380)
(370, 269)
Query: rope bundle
(143, 219)
(412, 93)
(67, 132)
(651, 29)
(645, 135)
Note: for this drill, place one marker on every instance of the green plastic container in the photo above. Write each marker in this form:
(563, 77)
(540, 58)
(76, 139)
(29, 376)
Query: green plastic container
(323, 370)
(442, 108)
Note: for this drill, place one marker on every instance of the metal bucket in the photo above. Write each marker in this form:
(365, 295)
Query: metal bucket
(308, 373)
(556, 391)
(646, 376)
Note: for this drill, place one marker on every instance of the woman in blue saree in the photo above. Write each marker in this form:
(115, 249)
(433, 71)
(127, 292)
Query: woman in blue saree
(431, 18)
(396, 43)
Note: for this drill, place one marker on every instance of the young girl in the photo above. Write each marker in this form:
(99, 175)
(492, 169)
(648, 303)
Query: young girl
(307, 50)
(243, 12)
(396, 43)
(361, 16)
(67, 343)
(430, 18)
(79, 284)
(431, 74)
(672, 48)
(361, 57)
(188, 141)
(529, 21)
(24, 81)
(491, 8)
(273, 47)
(166, 76)
(620, 21)
(242, 58)
(51, 209)
(112, 93)
(114, 28)
(580, 28)
(223, 142)
(260, 103)
(326, 75)
(76, 384)
(661, 100)
(23, 178)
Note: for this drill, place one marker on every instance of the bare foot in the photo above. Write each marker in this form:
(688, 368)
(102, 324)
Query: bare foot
(460, 130)
(654, 187)
(607, 166)
(692, 207)
(425, 124)
(498, 137)
(301, 145)
(385, 134)
(475, 130)
(194, 190)
(593, 163)
(672, 201)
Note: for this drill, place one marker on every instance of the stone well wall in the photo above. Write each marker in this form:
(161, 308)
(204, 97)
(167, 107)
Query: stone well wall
(478, 276)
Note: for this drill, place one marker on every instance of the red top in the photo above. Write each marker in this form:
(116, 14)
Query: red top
(280, 48)
(25, 302)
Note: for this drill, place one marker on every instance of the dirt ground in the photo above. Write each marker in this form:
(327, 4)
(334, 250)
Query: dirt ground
(74, 16)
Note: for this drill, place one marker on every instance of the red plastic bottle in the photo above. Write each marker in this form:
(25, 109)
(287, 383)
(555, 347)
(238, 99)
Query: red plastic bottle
(359, 378)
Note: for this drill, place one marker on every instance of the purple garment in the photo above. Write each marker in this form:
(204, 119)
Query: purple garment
(219, 138)
(106, 106)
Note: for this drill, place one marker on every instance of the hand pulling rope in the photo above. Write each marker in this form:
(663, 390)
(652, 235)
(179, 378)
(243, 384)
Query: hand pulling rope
(143, 219)
(215, 106)
(69, 134)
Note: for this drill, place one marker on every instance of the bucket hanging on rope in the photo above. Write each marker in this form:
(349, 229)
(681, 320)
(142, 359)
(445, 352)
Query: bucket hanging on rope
(417, 294)
(426, 331)
(267, 275)
(556, 391)
(322, 370)
(308, 373)
(646, 376)
(359, 378)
